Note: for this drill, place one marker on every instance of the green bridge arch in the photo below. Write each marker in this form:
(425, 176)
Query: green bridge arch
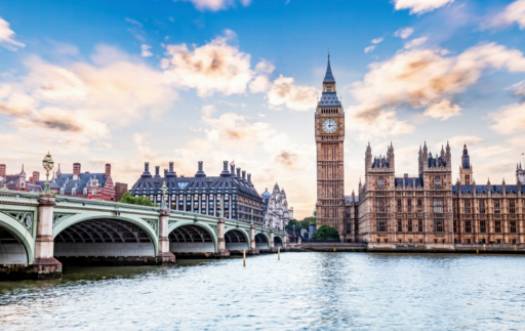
(21, 233)
(205, 226)
(82, 217)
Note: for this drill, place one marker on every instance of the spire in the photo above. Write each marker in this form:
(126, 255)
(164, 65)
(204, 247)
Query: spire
(328, 77)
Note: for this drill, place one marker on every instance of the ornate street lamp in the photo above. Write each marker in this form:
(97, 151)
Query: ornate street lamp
(48, 164)
(164, 195)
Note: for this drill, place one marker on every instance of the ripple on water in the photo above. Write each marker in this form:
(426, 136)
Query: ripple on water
(303, 291)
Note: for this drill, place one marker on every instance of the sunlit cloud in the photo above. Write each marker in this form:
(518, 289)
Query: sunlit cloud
(427, 79)
(420, 6)
(216, 5)
(404, 33)
(514, 13)
(284, 92)
(510, 119)
(7, 36)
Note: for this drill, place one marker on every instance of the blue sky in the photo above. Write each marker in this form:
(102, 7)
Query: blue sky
(134, 81)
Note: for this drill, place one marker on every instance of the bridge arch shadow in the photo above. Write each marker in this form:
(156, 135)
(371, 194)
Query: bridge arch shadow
(277, 241)
(189, 237)
(237, 240)
(262, 241)
(16, 243)
(101, 239)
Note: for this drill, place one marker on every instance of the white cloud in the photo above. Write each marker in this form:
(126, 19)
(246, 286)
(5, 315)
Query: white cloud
(423, 77)
(373, 44)
(81, 98)
(510, 119)
(443, 110)
(416, 42)
(459, 141)
(513, 13)
(518, 89)
(420, 6)
(216, 5)
(7, 36)
(404, 33)
(210, 68)
(145, 50)
(284, 92)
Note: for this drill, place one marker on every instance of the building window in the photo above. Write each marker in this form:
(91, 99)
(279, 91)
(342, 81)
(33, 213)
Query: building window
(399, 206)
(381, 182)
(482, 207)
(409, 225)
(399, 225)
(497, 226)
(437, 206)
(381, 225)
(497, 207)
(468, 226)
(513, 227)
(439, 225)
(437, 182)
(482, 227)
(512, 206)
(467, 207)
(420, 225)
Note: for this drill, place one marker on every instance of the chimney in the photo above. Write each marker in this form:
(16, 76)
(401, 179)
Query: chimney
(146, 166)
(170, 167)
(157, 171)
(244, 175)
(76, 169)
(108, 169)
(238, 172)
(35, 177)
(200, 166)
(225, 171)
(200, 170)
(232, 169)
(250, 178)
(2, 170)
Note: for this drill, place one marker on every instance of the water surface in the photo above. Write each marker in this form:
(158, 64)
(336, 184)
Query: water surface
(302, 291)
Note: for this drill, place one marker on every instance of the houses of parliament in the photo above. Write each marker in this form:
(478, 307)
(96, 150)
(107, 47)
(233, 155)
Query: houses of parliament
(427, 211)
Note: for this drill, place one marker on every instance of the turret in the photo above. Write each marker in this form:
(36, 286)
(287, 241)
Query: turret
(368, 157)
(465, 170)
(520, 174)
(390, 155)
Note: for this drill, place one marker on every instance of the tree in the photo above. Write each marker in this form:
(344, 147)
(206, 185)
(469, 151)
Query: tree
(326, 233)
(128, 198)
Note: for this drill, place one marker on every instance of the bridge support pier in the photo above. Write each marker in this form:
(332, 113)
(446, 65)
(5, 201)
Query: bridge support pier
(253, 244)
(45, 264)
(164, 256)
(222, 251)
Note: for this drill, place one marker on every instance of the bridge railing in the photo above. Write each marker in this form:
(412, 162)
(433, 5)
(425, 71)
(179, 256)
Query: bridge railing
(9, 195)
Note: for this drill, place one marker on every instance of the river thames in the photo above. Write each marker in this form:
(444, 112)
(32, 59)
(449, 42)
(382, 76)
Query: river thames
(302, 291)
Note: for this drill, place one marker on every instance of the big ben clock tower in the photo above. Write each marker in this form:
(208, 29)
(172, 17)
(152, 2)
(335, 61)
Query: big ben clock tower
(329, 138)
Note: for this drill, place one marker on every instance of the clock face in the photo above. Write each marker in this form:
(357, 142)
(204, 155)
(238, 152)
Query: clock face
(329, 125)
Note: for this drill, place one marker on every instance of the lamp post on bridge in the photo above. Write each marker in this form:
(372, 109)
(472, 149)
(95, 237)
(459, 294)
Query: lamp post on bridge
(48, 165)
(165, 256)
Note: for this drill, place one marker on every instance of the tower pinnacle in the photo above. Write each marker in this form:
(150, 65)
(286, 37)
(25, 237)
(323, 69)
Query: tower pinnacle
(328, 77)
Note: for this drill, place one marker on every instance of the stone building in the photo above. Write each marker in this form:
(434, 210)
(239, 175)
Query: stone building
(406, 210)
(329, 139)
(277, 214)
(19, 181)
(488, 213)
(231, 194)
(84, 184)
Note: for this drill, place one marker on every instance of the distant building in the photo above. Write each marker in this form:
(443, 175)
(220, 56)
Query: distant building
(19, 181)
(231, 194)
(120, 190)
(277, 214)
(84, 184)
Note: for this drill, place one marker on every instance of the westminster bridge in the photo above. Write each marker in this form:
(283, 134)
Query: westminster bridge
(37, 231)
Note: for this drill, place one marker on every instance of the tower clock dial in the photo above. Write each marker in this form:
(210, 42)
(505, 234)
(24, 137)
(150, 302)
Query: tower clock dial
(329, 126)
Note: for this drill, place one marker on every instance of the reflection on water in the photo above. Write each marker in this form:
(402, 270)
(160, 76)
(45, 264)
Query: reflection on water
(302, 291)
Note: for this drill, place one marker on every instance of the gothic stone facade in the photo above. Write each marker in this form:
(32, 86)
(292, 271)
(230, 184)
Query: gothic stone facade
(430, 211)
(277, 214)
(406, 210)
(329, 137)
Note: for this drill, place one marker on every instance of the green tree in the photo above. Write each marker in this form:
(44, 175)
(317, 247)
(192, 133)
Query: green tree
(326, 233)
(128, 198)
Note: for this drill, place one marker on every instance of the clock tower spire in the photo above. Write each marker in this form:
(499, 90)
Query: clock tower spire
(329, 138)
